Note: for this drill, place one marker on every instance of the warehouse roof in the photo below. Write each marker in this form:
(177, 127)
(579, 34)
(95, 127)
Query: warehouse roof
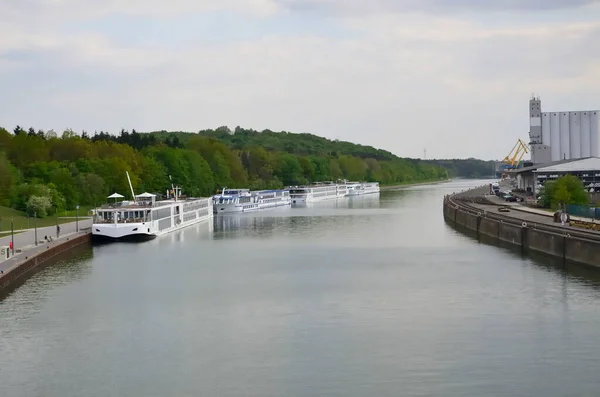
(585, 164)
(542, 165)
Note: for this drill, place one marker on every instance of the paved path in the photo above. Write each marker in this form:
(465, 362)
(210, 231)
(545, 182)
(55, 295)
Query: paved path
(25, 240)
(538, 211)
(521, 213)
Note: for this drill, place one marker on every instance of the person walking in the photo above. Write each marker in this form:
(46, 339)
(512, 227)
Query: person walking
(563, 218)
(57, 231)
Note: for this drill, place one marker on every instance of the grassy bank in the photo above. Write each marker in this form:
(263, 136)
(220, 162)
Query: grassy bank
(83, 212)
(6, 234)
(22, 221)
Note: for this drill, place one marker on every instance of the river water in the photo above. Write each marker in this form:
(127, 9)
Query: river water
(363, 297)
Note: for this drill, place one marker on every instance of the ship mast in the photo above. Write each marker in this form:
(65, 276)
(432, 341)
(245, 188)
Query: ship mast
(130, 186)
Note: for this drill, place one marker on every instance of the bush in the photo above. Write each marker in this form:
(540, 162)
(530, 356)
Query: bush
(565, 190)
(39, 205)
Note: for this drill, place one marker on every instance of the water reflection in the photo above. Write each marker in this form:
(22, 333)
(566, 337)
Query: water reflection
(354, 297)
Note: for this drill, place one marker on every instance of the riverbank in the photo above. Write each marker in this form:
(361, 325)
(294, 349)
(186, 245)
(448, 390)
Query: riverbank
(474, 212)
(30, 257)
(411, 184)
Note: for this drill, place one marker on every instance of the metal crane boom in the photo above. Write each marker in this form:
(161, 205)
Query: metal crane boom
(515, 156)
(513, 159)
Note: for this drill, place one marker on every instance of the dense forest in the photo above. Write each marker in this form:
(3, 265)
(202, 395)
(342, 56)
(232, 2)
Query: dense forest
(467, 168)
(45, 172)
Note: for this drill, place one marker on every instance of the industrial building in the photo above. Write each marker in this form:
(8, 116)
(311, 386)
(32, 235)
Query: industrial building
(586, 169)
(562, 135)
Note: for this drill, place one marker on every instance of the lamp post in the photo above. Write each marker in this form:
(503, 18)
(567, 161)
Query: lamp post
(77, 218)
(12, 235)
(35, 227)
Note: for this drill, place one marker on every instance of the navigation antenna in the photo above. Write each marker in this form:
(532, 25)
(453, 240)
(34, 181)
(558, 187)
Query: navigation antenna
(130, 186)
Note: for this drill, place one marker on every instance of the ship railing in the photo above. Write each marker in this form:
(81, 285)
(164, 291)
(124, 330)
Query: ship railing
(102, 220)
(132, 220)
(126, 220)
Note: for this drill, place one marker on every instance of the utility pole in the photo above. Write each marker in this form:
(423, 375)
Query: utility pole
(77, 218)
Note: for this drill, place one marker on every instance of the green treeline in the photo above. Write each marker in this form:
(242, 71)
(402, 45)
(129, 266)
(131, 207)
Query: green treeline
(42, 171)
(467, 168)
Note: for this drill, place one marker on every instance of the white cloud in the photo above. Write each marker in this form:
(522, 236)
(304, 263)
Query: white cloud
(383, 6)
(64, 9)
(400, 82)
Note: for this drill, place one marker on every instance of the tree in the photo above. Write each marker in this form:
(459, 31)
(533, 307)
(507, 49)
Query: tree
(5, 139)
(71, 170)
(8, 180)
(565, 190)
(39, 205)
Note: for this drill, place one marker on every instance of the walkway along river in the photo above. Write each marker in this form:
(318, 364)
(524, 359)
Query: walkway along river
(376, 297)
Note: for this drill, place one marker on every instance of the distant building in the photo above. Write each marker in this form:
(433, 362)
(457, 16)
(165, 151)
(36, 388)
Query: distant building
(533, 177)
(562, 135)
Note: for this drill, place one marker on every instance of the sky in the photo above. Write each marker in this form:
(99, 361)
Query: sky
(449, 77)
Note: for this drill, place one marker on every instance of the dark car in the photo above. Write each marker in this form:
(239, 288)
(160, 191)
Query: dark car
(510, 198)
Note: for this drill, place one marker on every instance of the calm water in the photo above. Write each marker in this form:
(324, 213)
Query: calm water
(367, 297)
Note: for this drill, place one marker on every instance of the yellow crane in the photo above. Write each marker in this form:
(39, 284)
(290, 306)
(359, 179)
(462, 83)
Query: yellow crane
(514, 158)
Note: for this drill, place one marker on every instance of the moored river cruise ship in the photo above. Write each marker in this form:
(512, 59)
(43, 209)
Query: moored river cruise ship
(145, 218)
(361, 188)
(245, 200)
(318, 191)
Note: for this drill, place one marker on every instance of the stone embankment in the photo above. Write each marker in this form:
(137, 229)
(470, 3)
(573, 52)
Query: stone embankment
(18, 268)
(530, 230)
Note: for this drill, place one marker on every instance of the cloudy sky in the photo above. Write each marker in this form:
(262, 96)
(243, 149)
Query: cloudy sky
(451, 76)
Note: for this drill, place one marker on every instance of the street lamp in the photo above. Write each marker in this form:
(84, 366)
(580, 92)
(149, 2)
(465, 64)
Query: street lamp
(77, 218)
(12, 235)
(35, 227)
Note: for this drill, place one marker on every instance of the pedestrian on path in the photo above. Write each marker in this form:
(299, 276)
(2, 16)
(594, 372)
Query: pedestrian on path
(563, 218)
(57, 231)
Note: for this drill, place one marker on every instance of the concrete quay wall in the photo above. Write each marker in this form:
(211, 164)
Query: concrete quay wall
(32, 261)
(554, 242)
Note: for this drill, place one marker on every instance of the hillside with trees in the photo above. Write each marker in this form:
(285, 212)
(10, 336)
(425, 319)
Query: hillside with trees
(46, 172)
(467, 168)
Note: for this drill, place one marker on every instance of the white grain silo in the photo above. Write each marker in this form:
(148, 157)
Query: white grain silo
(565, 139)
(545, 129)
(595, 134)
(575, 132)
(586, 140)
(555, 136)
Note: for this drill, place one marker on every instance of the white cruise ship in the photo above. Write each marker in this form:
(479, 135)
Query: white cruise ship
(361, 188)
(244, 200)
(318, 191)
(145, 217)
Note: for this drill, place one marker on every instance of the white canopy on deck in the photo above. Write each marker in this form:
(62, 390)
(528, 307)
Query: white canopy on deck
(146, 194)
(115, 196)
